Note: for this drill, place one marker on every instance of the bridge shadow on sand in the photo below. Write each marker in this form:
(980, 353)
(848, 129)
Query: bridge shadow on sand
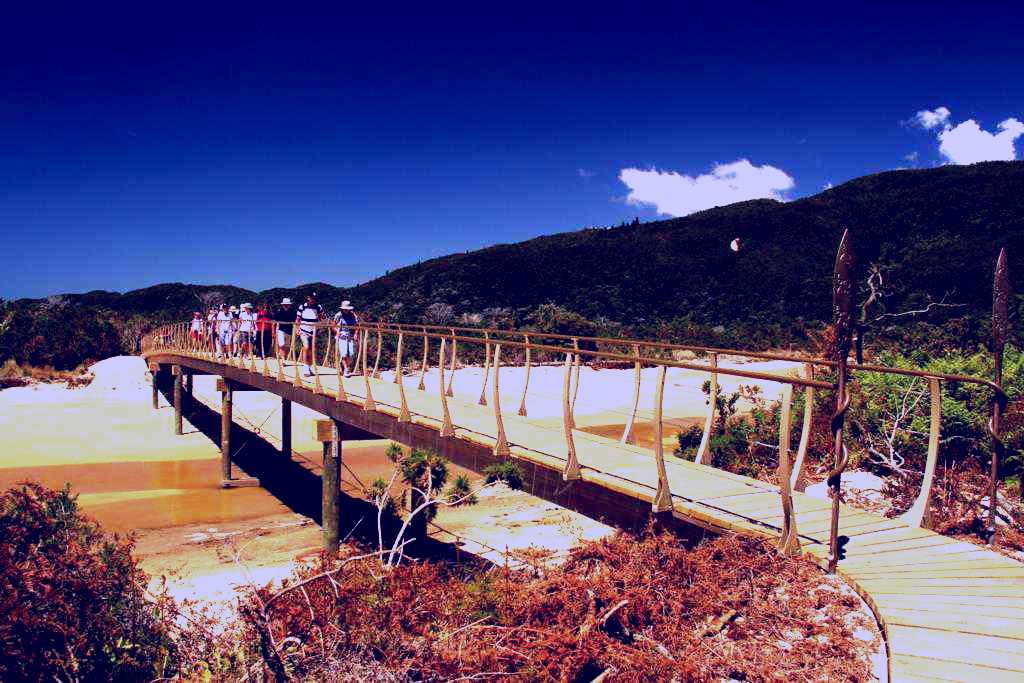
(299, 488)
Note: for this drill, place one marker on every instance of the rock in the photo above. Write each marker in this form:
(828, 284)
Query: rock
(683, 354)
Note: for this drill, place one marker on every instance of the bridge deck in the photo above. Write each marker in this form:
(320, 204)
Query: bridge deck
(950, 610)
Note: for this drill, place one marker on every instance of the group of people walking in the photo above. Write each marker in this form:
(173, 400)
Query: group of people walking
(244, 331)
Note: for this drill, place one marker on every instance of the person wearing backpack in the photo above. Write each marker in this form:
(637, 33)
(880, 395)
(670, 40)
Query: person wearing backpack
(345, 321)
(307, 316)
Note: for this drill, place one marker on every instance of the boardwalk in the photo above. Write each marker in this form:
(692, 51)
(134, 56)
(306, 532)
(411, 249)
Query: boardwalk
(950, 610)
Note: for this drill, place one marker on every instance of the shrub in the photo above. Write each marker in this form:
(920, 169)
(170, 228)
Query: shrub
(72, 599)
(507, 472)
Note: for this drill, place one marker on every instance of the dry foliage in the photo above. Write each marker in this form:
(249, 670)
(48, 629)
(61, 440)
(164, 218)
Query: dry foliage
(644, 609)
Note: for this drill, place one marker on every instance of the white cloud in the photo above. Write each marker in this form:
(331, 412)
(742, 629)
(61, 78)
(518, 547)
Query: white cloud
(912, 157)
(827, 186)
(678, 195)
(967, 143)
(932, 119)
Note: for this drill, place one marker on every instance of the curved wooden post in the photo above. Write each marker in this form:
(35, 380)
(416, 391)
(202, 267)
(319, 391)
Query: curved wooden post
(487, 368)
(627, 432)
(789, 542)
(380, 343)
(451, 376)
(501, 443)
(663, 496)
(576, 371)
(703, 450)
(572, 465)
(369, 403)
(423, 365)
(403, 412)
(526, 380)
(296, 379)
(919, 513)
(796, 481)
(447, 428)
(317, 387)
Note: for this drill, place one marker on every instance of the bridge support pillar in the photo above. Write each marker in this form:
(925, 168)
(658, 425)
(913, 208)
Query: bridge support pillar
(188, 383)
(286, 428)
(225, 434)
(156, 391)
(331, 487)
(176, 370)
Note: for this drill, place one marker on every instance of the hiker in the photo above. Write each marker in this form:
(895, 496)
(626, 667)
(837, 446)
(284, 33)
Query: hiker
(195, 329)
(345, 321)
(308, 315)
(264, 342)
(211, 328)
(233, 337)
(246, 330)
(225, 331)
(284, 317)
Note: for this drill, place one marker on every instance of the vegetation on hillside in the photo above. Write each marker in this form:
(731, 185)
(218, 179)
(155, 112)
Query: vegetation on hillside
(927, 241)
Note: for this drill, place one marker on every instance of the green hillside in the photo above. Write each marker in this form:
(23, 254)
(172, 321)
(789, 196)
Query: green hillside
(933, 234)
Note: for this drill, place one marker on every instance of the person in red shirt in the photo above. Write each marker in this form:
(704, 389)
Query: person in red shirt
(264, 330)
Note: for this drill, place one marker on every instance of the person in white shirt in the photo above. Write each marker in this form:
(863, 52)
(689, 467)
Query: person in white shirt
(307, 316)
(195, 329)
(246, 329)
(345, 321)
(211, 329)
(225, 331)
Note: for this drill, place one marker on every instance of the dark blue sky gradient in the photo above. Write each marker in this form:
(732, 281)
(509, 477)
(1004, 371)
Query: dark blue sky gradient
(260, 149)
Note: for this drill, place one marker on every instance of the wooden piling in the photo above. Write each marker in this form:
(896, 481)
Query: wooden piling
(330, 487)
(177, 402)
(286, 428)
(225, 434)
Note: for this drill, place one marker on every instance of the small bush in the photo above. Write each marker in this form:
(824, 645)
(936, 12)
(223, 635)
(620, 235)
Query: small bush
(72, 599)
(507, 472)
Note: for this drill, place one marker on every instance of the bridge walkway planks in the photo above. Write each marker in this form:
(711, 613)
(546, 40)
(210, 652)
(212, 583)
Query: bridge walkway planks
(950, 610)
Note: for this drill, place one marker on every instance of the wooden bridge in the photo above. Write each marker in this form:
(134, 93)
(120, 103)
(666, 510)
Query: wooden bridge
(950, 610)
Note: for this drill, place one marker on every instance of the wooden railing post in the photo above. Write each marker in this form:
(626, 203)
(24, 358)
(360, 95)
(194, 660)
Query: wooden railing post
(447, 429)
(797, 481)
(451, 377)
(501, 447)
(572, 465)
(663, 496)
(576, 371)
(487, 369)
(703, 450)
(369, 403)
(842, 325)
(919, 513)
(1000, 333)
(526, 380)
(789, 542)
(426, 361)
(627, 432)
(380, 344)
(403, 413)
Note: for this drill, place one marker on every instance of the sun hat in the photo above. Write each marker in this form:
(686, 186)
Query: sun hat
(346, 305)
(223, 305)
(234, 308)
(286, 300)
(247, 305)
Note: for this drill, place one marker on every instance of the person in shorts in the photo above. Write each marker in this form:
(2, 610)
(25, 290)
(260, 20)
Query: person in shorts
(307, 316)
(345, 321)
(246, 330)
(285, 319)
(264, 342)
(225, 331)
(195, 329)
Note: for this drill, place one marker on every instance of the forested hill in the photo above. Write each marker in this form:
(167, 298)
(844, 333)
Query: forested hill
(933, 235)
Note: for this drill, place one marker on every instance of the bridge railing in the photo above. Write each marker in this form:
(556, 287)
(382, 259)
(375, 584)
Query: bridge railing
(410, 352)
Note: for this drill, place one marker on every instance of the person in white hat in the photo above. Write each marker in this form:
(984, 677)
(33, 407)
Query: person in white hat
(308, 315)
(284, 316)
(246, 329)
(225, 321)
(345, 321)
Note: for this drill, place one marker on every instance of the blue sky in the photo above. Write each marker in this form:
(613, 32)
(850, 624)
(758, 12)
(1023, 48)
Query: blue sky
(261, 149)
